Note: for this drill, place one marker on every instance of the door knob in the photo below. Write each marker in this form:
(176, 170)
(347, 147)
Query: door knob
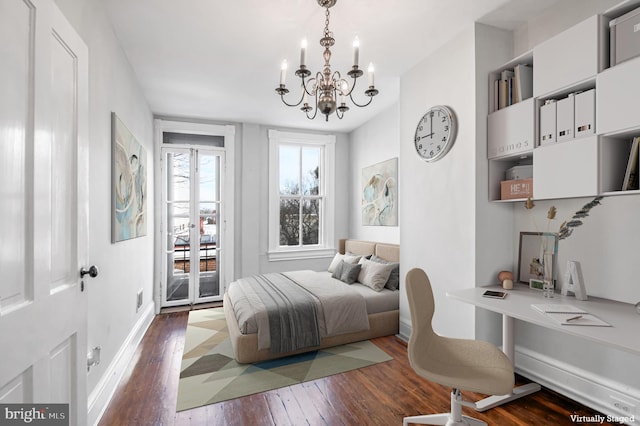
(92, 271)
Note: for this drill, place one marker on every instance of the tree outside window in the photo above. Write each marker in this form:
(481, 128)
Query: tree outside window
(301, 195)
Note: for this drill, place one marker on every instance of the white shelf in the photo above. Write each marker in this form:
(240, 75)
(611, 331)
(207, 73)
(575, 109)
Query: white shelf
(574, 61)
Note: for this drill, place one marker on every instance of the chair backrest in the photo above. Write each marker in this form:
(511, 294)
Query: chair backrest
(421, 307)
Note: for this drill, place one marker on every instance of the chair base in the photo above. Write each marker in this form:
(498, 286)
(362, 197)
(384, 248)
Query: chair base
(454, 418)
(442, 419)
(495, 400)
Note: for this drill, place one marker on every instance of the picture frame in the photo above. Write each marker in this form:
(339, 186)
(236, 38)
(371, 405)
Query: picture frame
(532, 247)
(379, 203)
(128, 185)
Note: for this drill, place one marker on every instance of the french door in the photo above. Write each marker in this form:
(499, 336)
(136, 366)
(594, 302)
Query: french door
(193, 229)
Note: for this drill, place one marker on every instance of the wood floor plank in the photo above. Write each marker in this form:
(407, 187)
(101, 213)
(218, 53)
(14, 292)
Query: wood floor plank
(381, 394)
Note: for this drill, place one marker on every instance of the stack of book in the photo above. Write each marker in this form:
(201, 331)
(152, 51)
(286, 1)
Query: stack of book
(513, 86)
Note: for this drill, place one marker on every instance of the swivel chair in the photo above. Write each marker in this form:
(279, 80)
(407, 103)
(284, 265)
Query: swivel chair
(471, 365)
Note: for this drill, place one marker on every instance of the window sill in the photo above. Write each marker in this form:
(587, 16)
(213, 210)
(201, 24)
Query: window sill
(300, 254)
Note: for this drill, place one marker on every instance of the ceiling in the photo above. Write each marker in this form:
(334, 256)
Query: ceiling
(215, 60)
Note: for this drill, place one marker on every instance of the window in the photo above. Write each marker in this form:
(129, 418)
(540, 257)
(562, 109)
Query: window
(301, 188)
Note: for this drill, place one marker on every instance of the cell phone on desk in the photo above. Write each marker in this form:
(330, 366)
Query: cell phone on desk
(495, 294)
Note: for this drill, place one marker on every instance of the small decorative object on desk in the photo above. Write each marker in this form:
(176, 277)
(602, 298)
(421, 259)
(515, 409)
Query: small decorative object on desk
(573, 281)
(506, 279)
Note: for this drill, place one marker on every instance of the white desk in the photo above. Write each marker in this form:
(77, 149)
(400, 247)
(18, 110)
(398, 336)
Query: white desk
(622, 334)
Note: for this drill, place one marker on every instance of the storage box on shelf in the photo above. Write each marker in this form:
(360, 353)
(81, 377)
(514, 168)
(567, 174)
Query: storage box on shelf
(499, 172)
(516, 189)
(625, 36)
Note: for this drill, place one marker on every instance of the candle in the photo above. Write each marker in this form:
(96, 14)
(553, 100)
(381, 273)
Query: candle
(356, 51)
(283, 72)
(303, 53)
(371, 78)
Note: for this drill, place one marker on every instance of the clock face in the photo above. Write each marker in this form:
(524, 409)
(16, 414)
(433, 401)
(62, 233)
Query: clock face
(435, 133)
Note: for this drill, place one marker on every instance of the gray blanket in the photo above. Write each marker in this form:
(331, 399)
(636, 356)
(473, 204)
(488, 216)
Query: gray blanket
(291, 309)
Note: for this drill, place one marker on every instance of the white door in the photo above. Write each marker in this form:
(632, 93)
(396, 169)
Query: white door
(194, 239)
(43, 208)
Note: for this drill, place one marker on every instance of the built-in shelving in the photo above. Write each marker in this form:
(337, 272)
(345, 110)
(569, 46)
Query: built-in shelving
(571, 75)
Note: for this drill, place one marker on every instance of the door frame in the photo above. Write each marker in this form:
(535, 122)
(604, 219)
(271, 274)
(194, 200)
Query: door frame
(227, 215)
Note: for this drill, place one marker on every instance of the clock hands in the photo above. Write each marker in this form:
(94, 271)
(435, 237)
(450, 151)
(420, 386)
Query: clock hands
(426, 136)
(431, 125)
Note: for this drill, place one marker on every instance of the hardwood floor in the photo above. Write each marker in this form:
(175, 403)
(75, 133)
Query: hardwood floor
(381, 394)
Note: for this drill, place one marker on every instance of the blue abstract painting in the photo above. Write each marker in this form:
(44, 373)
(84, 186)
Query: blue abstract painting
(380, 194)
(129, 164)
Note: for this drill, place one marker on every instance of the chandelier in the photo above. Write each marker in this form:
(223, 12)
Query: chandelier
(327, 85)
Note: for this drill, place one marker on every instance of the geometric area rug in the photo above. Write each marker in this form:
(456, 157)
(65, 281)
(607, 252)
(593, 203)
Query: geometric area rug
(209, 373)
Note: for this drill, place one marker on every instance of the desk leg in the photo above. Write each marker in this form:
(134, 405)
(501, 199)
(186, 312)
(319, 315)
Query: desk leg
(508, 347)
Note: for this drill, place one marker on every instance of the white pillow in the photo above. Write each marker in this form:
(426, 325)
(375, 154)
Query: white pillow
(347, 258)
(373, 274)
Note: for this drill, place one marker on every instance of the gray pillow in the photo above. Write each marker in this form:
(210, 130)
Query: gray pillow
(346, 272)
(393, 283)
(350, 272)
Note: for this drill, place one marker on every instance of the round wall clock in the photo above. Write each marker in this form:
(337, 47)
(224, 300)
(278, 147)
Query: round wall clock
(436, 133)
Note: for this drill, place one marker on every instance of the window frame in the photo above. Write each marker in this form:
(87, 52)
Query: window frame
(325, 246)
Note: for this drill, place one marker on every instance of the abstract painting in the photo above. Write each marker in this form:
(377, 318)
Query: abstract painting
(129, 186)
(380, 194)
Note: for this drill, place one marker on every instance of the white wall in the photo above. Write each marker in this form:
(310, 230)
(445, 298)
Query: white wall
(494, 221)
(254, 206)
(375, 141)
(124, 267)
(437, 213)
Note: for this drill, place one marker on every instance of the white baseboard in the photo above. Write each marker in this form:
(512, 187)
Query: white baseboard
(589, 389)
(405, 331)
(100, 397)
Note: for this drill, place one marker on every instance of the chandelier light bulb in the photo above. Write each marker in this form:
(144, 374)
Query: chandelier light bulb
(371, 76)
(356, 51)
(303, 52)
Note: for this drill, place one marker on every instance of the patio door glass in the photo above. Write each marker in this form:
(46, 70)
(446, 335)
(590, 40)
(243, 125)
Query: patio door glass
(192, 245)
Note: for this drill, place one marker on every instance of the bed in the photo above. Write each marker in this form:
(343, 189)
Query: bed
(382, 310)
